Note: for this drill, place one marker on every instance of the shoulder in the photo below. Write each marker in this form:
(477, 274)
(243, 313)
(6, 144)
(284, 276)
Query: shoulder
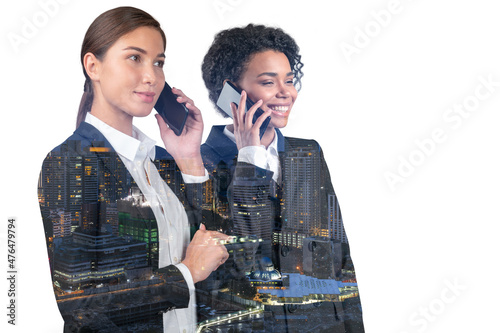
(85, 139)
(295, 143)
(218, 148)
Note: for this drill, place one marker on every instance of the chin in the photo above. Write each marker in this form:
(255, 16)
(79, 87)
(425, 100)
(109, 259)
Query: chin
(278, 124)
(142, 113)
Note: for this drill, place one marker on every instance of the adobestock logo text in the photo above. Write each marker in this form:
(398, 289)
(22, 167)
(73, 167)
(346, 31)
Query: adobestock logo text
(31, 25)
(453, 117)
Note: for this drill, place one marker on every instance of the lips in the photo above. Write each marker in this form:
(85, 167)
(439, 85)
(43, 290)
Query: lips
(279, 108)
(146, 96)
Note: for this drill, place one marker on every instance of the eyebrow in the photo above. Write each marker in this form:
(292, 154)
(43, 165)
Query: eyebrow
(273, 74)
(138, 49)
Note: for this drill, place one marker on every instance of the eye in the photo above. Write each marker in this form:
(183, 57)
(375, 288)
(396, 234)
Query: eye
(159, 63)
(134, 57)
(267, 83)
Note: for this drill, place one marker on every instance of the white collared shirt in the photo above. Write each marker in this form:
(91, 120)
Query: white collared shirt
(259, 156)
(137, 153)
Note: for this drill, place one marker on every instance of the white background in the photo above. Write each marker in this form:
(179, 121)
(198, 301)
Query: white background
(409, 243)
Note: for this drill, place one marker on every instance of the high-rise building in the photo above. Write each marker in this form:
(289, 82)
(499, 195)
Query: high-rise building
(139, 223)
(252, 218)
(69, 178)
(61, 223)
(301, 189)
(61, 180)
(167, 170)
(335, 226)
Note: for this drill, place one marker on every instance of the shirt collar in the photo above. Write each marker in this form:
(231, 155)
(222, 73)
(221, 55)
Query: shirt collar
(126, 146)
(273, 147)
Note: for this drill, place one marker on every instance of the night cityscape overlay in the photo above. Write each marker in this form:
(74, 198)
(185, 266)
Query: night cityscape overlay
(289, 267)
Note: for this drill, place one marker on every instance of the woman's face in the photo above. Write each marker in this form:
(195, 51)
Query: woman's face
(130, 76)
(269, 77)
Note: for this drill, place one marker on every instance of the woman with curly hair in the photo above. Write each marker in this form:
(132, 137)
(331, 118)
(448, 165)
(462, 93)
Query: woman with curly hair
(275, 191)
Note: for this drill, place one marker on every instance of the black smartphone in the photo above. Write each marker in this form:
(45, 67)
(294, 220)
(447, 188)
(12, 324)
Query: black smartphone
(231, 94)
(173, 112)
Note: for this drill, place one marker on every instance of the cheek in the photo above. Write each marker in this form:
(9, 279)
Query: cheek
(255, 93)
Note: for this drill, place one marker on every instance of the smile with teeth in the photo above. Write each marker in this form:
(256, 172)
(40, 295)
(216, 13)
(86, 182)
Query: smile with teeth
(279, 108)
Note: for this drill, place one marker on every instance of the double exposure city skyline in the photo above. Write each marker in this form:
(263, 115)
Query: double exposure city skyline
(288, 263)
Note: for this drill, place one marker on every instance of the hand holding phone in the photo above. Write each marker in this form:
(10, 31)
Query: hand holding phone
(185, 148)
(231, 94)
(173, 112)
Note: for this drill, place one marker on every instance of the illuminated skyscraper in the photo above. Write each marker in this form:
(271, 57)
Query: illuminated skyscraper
(61, 223)
(252, 218)
(301, 189)
(137, 221)
(335, 225)
(69, 178)
(61, 180)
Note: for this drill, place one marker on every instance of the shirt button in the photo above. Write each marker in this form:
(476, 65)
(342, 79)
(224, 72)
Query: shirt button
(184, 331)
(175, 260)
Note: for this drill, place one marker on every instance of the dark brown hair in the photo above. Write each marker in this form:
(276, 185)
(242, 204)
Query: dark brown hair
(106, 29)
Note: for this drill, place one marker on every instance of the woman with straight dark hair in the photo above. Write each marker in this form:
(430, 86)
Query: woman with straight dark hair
(301, 269)
(119, 211)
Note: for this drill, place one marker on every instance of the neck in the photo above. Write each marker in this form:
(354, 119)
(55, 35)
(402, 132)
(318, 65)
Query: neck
(114, 118)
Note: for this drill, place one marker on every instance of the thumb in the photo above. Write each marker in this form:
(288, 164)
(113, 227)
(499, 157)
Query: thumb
(202, 226)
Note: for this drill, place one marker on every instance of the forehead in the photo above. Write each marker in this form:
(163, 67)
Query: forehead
(147, 38)
(269, 61)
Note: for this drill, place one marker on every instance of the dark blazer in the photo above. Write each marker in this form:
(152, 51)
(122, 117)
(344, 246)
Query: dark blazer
(102, 240)
(299, 225)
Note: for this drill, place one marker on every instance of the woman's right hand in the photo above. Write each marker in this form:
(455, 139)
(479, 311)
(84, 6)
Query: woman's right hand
(185, 148)
(247, 133)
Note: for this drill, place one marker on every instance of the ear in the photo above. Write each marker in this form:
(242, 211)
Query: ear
(227, 80)
(92, 66)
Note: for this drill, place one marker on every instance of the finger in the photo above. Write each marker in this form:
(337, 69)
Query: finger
(249, 116)
(194, 111)
(242, 107)
(182, 98)
(223, 238)
(260, 120)
(194, 119)
(164, 129)
(203, 226)
(234, 110)
(223, 259)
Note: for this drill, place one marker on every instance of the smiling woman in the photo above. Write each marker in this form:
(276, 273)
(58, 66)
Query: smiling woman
(269, 78)
(288, 208)
(118, 236)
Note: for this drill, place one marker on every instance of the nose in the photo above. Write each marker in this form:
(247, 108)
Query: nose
(149, 76)
(283, 91)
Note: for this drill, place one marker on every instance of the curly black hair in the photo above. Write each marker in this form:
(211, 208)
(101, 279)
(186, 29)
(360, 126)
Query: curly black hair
(232, 50)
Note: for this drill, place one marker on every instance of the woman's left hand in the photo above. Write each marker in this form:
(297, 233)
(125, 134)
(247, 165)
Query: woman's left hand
(185, 148)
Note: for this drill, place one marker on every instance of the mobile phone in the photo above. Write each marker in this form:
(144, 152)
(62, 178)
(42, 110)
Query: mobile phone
(231, 94)
(173, 112)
